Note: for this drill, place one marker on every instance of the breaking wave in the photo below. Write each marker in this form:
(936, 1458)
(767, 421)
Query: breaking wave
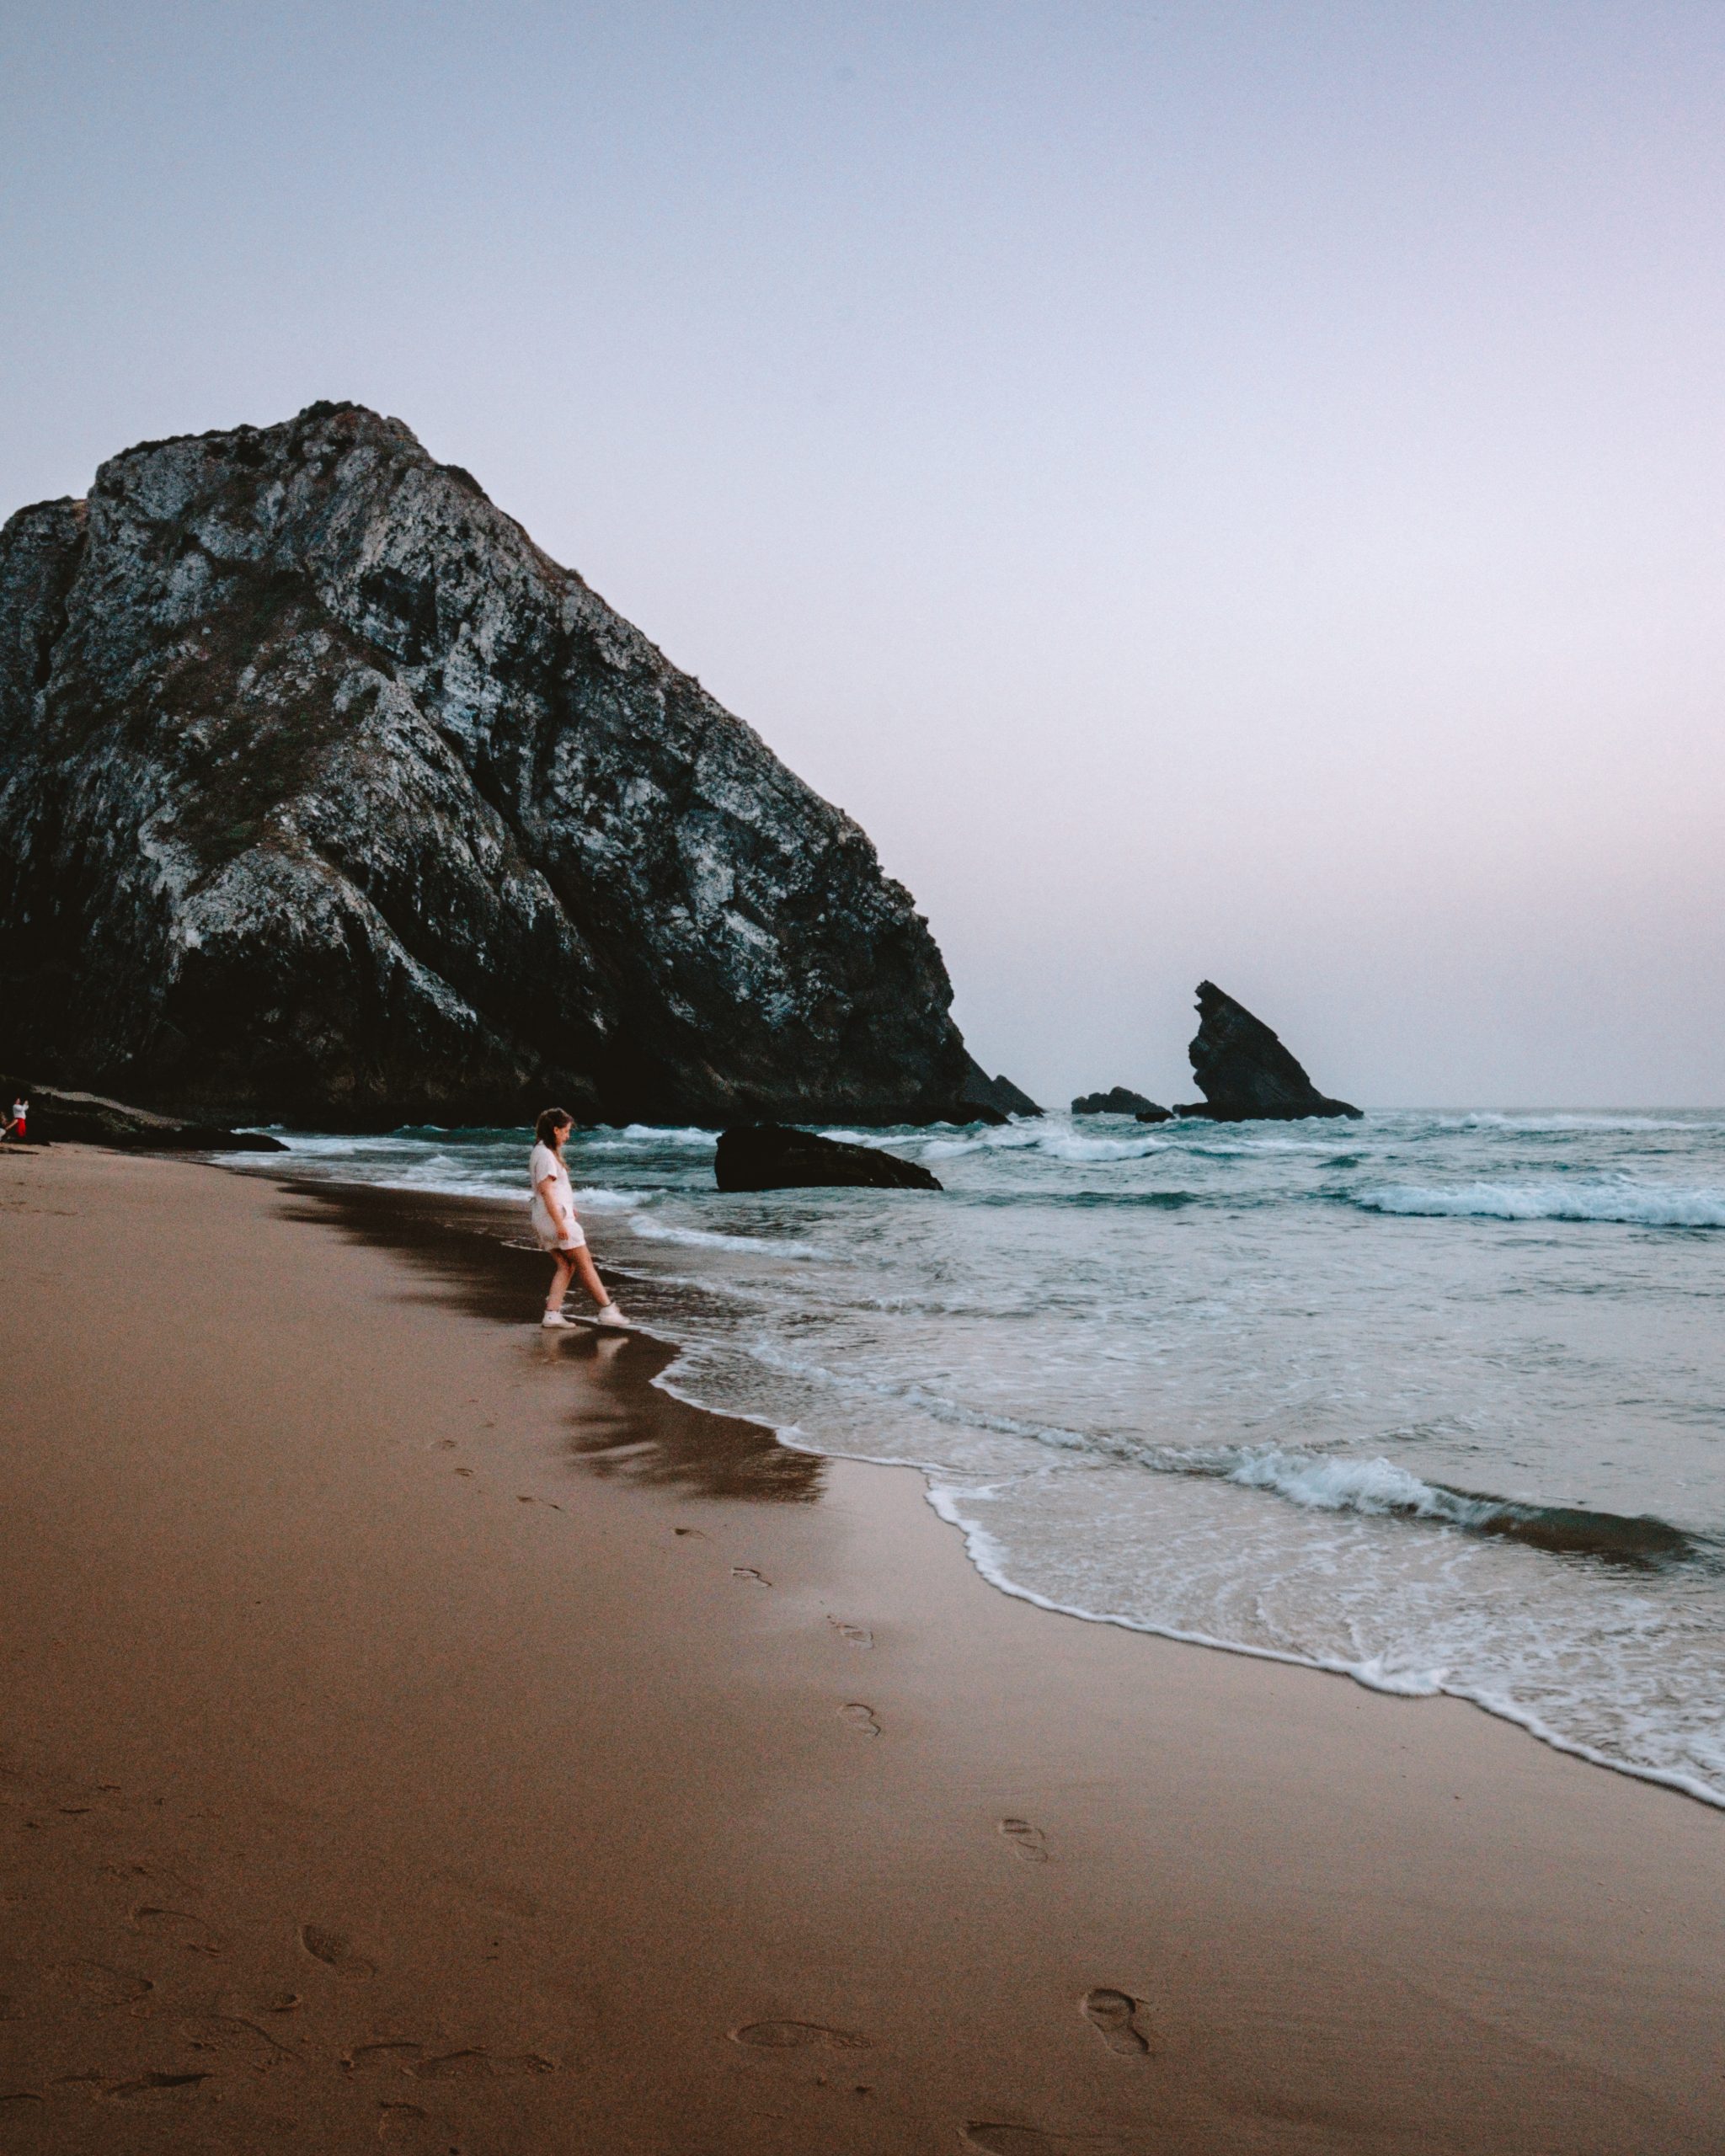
(1632, 1205)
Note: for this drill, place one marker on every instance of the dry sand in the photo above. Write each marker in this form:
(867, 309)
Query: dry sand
(418, 1730)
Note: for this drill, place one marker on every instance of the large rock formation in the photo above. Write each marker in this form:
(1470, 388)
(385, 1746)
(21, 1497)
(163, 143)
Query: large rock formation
(326, 796)
(767, 1156)
(1244, 1071)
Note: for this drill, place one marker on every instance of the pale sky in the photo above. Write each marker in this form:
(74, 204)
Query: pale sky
(1216, 489)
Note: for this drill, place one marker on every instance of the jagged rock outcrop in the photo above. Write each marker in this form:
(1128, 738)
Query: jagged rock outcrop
(325, 796)
(1245, 1073)
(1120, 1100)
(88, 1119)
(983, 1099)
(767, 1156)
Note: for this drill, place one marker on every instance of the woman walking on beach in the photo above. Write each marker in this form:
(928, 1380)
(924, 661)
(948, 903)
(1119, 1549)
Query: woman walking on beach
(557, 1229)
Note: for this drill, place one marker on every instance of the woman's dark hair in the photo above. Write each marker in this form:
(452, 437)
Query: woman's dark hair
(553, 1120)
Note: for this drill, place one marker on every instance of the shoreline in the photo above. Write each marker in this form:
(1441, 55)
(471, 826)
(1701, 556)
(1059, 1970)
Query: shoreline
(976, 1539)
(553, 1752)
(1530, 1725)
(979, 1547)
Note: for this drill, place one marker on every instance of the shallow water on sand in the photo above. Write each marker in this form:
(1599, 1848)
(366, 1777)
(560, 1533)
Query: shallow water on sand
(1438, 1400)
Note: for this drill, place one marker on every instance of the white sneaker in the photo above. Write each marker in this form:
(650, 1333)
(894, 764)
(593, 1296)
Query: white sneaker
(610, 1314)
(556, 1322)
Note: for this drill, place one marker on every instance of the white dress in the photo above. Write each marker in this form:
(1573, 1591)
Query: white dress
(555, 1225)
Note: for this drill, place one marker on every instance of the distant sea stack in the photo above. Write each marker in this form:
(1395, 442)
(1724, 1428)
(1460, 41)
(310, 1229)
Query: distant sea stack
(1243, 1071)
(1121, 1100)
(326, 796)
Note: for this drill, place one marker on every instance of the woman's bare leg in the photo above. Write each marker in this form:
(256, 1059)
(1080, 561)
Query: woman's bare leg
(563, 1272)
(583, 1260)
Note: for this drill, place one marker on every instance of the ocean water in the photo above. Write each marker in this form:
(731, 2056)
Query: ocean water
(1437, 1400)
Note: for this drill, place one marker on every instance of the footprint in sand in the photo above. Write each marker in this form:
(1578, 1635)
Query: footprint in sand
(179, 1926)
(694, 1531)
(1027, 1841)
(853, 1634)
(481, 2065)
(748, 1572)
(159, 1874)
(860, 1717)
(243, 2005)
(96, 1987)
(336, 1951)
(396, 2119)
(390, 2055)
(236, 2039)
(796, 2035)
(1113, 2015)
(153, 2084)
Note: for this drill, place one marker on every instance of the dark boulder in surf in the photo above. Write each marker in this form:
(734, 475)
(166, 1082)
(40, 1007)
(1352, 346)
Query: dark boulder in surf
(327, 797)
(770, 1156)
(88, 1119)
(1245, 1073)
(1120, 1100)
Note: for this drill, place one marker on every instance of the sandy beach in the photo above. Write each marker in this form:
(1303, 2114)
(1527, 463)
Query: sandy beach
(419, 1728)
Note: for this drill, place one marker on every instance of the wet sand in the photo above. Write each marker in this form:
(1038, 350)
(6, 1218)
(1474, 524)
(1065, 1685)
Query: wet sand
(418, 1731)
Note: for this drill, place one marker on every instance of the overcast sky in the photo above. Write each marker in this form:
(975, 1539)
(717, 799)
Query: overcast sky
(1214, 488)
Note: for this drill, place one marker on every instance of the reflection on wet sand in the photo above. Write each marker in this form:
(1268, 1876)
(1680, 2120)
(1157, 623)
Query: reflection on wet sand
(474, 1251)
